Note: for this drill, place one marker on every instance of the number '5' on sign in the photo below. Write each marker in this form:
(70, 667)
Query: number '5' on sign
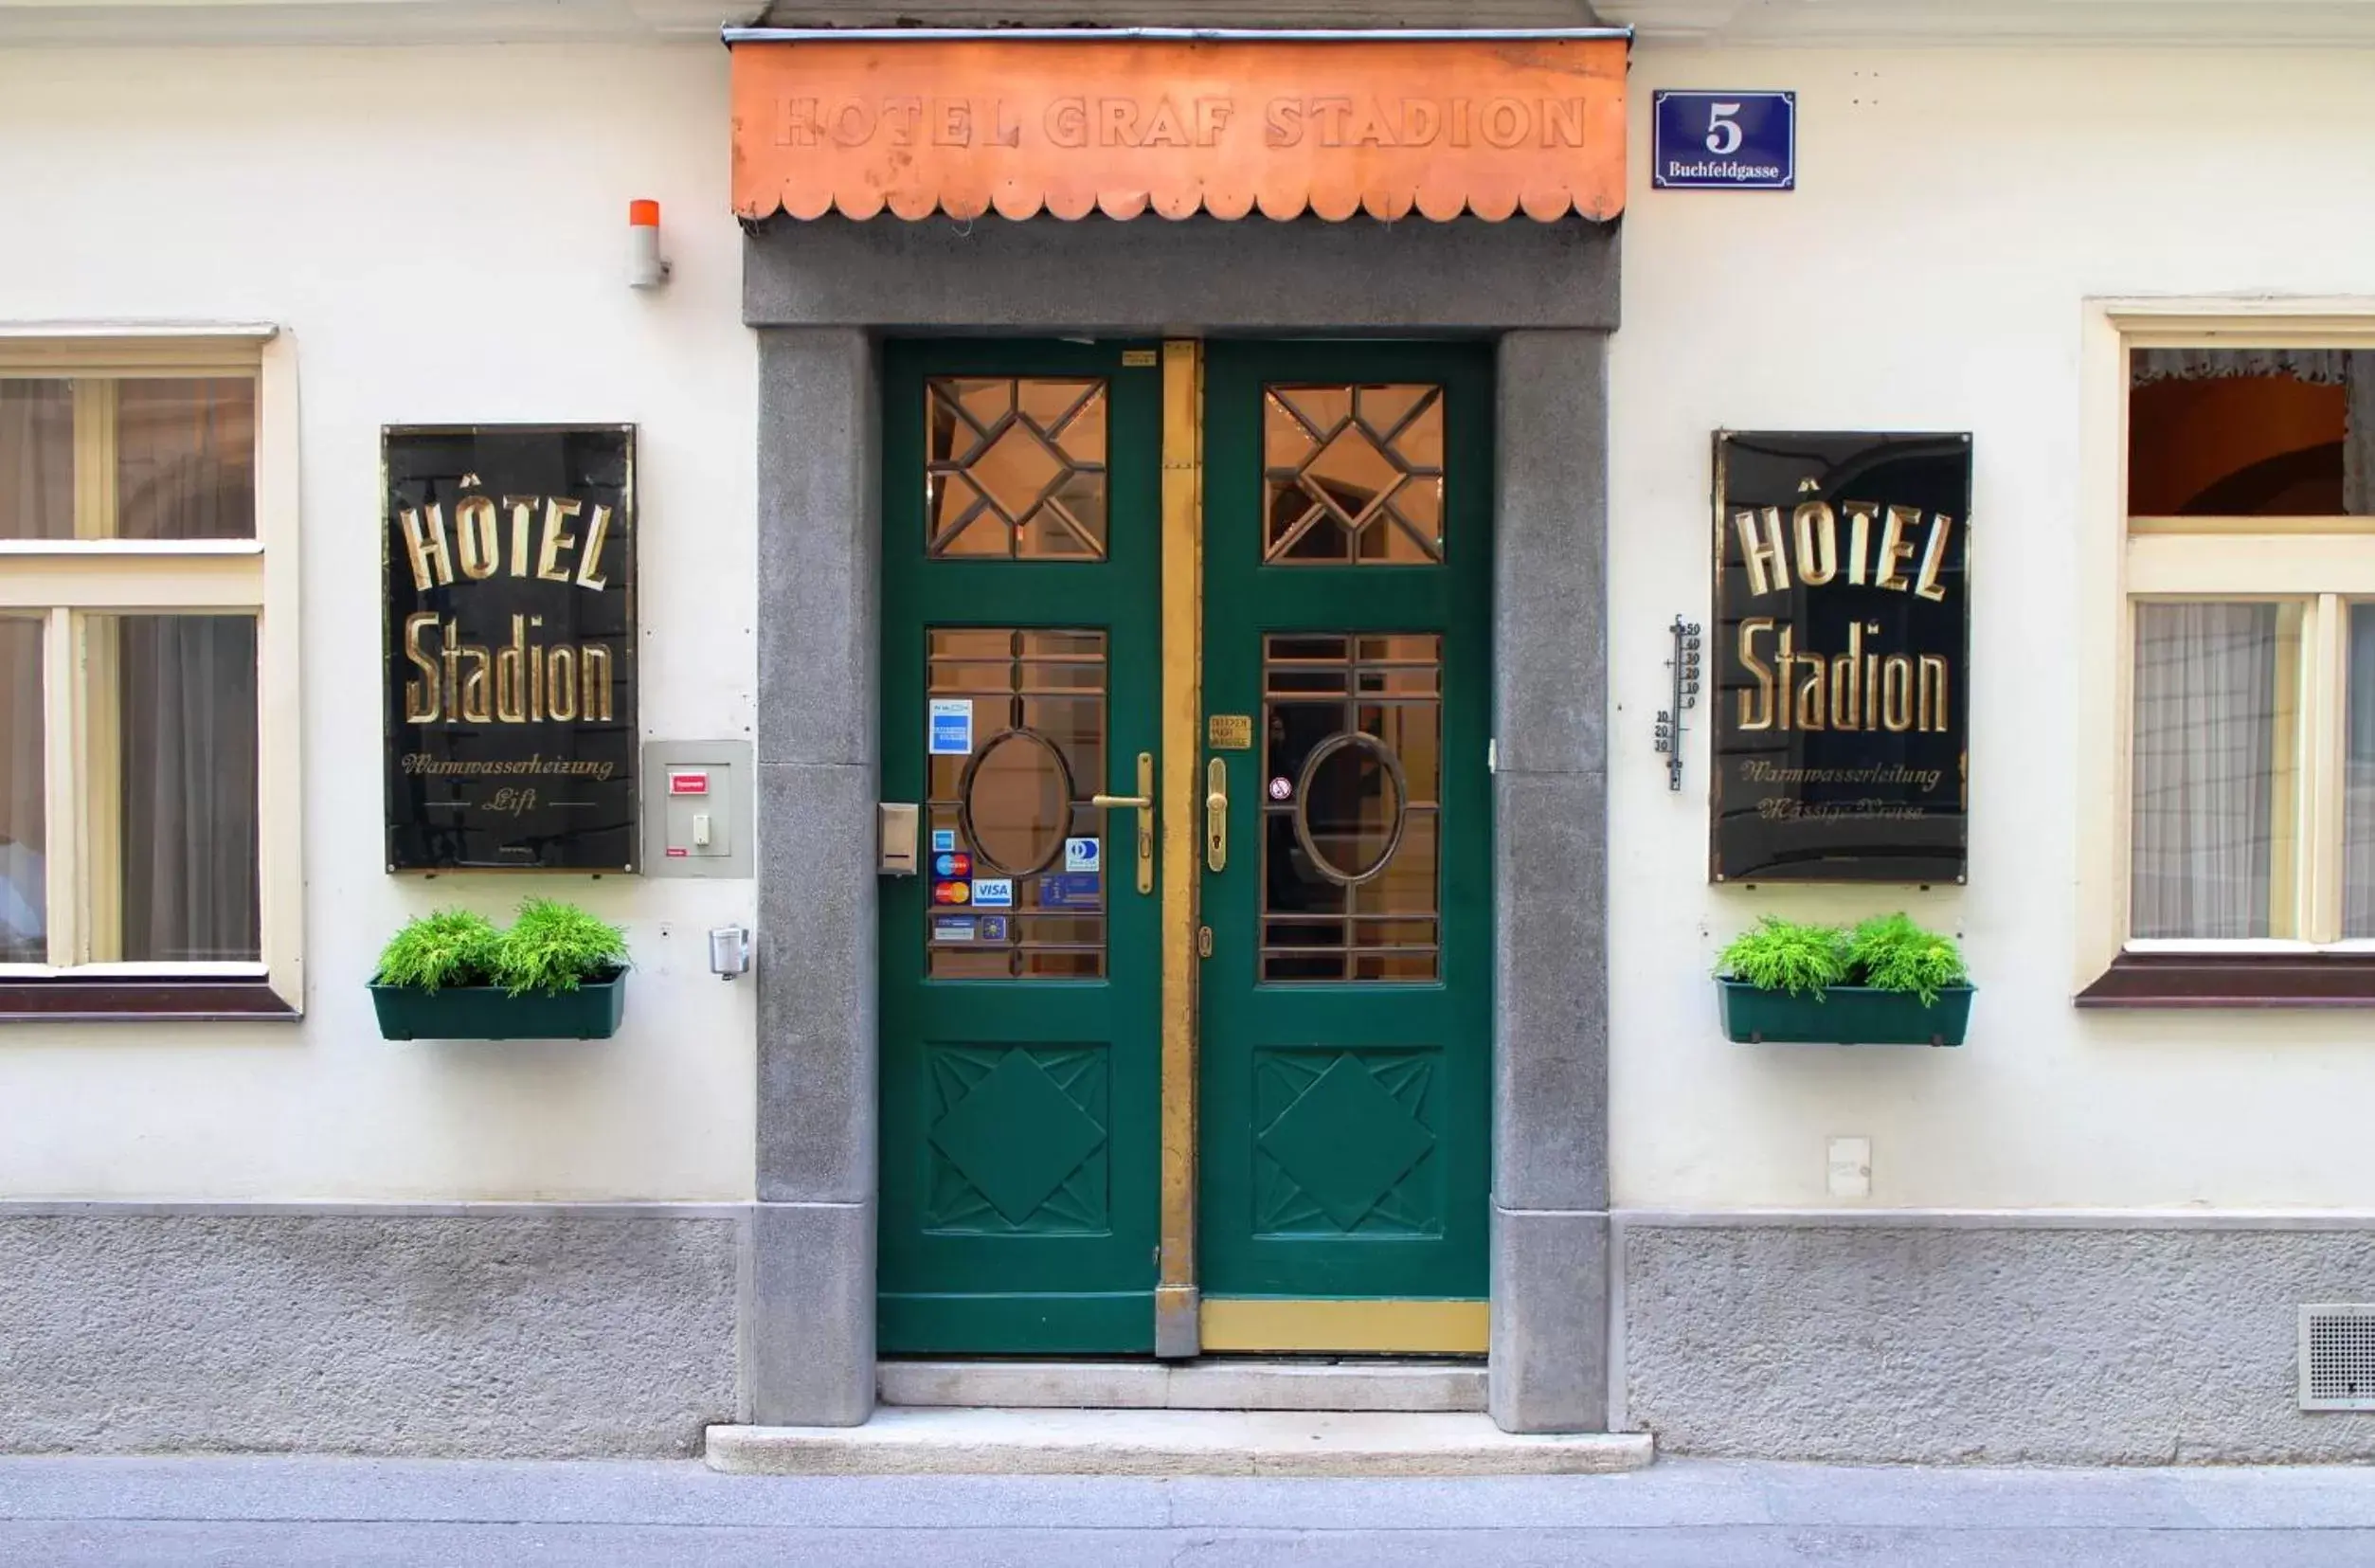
(1744, 140)
(1723, 130)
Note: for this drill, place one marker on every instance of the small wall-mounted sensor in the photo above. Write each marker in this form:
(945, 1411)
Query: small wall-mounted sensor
(646, 268)
(1850, 1167)
(729, 951)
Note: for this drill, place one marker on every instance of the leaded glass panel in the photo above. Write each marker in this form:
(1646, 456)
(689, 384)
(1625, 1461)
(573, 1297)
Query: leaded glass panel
(1352, 475)
(1352, 770)
(1009, 820)
(1016, 468)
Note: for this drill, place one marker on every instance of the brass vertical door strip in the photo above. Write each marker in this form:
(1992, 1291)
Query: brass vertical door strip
(1176, 1333)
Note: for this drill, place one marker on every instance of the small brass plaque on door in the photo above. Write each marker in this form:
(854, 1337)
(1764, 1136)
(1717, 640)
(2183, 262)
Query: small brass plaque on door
(1228, 732)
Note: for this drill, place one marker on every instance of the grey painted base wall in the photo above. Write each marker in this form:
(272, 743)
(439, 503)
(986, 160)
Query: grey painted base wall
(583, 1330)
(545, 1333)
(1963, 1340)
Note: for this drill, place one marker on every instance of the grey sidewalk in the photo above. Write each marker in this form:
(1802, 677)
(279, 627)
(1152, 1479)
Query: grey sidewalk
(66, 1512)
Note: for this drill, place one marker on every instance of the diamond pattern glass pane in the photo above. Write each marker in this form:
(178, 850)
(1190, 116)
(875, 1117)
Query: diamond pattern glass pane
(1352, 475)
(1015, 469)
(1016, 853)
(1352, 771)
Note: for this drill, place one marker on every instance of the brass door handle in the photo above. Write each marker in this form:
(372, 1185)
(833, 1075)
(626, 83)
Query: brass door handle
(1143, 804)
(1216, 815)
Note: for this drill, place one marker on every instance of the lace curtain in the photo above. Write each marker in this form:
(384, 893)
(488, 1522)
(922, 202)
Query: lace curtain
(2205, 789)
(24, 870)
(2358, 782)
(2325, 366)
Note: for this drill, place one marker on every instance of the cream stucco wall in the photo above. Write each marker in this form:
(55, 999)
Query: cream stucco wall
(1957, 211)
(439, 231)
(442, 233)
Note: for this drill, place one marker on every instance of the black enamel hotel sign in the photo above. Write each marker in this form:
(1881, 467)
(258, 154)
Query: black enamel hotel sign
(508, 561)
(1841, 655)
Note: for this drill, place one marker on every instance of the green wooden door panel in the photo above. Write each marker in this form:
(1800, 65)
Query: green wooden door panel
(1018, 1133)
(1345, 1123)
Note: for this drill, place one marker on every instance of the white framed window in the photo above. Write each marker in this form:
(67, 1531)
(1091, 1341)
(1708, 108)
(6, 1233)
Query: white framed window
(2228, 836)
(149, 790)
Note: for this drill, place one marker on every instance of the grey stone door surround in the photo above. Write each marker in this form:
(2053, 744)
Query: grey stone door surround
(821, 295)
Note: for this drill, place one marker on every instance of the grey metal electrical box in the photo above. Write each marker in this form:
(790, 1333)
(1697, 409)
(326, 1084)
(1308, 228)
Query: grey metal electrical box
(696, 808)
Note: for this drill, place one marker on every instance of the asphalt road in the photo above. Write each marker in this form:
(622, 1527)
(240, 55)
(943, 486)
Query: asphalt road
(265, 1512)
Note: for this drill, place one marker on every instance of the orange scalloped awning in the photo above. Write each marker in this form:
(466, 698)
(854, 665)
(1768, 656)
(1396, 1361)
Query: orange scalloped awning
(966, 127)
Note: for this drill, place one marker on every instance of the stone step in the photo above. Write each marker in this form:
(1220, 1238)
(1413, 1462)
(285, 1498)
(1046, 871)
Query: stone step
(1168, 1442)
(1213, 1384)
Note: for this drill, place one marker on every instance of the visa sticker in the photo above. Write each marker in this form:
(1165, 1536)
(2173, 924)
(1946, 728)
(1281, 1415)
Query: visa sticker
(992, 927)
(1082, 854)
(953, 928)
(952, 727)
(944, 839)
(993, 892)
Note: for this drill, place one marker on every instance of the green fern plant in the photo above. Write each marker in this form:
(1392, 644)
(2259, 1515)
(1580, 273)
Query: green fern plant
(1889, 952)
(446, 947)
(1786, 955)
(554, 946)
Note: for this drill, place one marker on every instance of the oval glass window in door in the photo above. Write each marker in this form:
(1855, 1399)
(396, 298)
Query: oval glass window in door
(1015, 802)
(1349, 807)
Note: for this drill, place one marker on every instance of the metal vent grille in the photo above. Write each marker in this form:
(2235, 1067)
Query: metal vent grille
(2338, 1356)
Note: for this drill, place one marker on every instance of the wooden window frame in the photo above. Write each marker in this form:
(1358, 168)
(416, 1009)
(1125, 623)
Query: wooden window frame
(2324, 564)
(66, 579)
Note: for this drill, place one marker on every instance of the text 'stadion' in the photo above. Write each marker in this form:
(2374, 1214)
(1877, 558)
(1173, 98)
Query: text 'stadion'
(1842, 657)
(510, 625)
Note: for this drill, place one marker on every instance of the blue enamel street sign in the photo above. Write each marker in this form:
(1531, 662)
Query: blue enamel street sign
(1735, 141)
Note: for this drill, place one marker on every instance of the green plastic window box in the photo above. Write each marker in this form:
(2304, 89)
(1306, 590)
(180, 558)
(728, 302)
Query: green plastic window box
(1843, 1015)
(592, 1012)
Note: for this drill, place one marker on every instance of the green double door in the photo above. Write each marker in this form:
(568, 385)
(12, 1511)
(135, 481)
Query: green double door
(1186, 1015)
